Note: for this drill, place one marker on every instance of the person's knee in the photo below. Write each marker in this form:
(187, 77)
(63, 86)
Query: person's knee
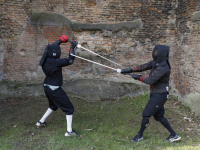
(158, 118)
(162, 119)
(145, 115)
(70, 111)
(145, 120)
(54, 108)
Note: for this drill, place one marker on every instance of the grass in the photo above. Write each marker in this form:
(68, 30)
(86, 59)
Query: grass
(105, 125)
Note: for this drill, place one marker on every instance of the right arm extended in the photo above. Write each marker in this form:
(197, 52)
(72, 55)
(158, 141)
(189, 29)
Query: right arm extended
(139, 68)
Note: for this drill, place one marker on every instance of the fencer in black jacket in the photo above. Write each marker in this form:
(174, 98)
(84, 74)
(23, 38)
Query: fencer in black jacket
(158, 80)
(52, 64)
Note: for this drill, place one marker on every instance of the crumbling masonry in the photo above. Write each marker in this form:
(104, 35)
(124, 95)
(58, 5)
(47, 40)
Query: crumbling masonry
(124, 31)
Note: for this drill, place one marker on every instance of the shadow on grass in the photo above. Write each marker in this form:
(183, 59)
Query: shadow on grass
(102, 125)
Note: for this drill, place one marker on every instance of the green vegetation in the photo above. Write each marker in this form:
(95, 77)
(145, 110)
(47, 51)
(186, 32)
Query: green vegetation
(105, 125)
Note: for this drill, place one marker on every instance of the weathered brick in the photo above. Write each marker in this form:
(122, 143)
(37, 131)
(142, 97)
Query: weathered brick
(164, 22)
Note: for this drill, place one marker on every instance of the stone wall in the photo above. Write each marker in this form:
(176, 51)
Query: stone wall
(107, 27)
(124, 31)
(185, 72)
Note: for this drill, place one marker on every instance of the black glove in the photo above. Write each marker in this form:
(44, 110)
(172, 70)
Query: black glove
(128, 70)
(74, 44)
(71, 51)
(71, 58)
(136, 77)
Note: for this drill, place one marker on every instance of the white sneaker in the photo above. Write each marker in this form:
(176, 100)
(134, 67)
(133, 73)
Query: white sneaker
(41, 124)
(71, 133)
(173, 138)
(137, 138)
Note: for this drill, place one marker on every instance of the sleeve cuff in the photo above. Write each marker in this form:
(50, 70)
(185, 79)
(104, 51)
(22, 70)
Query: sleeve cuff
(141, 78)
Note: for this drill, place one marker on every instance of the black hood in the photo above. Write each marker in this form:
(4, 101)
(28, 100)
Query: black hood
(160, 55)
(54, 51)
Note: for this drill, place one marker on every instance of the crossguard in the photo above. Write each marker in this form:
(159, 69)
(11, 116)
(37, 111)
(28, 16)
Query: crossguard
(119, 70)
(78, 46)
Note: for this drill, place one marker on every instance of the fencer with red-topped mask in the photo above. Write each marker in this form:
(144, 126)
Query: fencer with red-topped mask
(52, 64)
(158, 80)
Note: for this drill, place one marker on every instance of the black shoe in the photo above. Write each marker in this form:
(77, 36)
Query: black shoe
(173, 138)
(71, 133)
(41, 124)
(137, 138)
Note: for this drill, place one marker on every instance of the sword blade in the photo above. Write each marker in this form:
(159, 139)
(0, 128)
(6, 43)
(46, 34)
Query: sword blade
(94, 62)
(79, 46)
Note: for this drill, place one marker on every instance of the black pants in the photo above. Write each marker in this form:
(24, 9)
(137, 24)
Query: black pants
(155, 106)
(59, 99)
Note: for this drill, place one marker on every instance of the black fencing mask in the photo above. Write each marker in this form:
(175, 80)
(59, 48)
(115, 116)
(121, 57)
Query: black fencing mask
(52, 51)
(155, 54)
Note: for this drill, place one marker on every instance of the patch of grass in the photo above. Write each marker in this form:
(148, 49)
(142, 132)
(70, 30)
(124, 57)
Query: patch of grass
(105, 125)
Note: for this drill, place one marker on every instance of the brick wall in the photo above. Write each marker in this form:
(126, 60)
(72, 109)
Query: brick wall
(185, 70)
(173, 23)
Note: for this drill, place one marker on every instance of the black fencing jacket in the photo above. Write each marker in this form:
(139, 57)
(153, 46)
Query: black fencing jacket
(52, 68)
(160, 71)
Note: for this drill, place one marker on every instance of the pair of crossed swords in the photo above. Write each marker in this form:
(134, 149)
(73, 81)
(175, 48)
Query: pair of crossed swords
(79, 46)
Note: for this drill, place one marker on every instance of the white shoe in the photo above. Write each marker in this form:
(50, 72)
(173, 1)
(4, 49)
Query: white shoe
(71, 133)
(173, 138)
(41, 124)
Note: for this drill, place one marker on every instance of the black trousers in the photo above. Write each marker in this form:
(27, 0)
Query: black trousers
(59, 99)
(155, 106)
